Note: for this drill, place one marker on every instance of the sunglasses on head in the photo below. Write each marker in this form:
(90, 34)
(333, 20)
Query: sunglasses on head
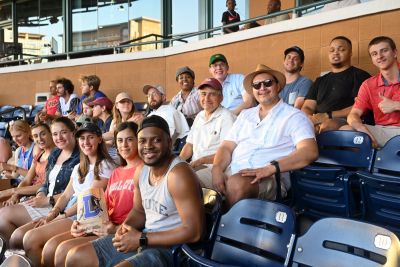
(266, 83)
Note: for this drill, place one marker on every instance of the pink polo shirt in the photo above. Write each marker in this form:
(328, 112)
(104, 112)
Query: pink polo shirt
(368, 98)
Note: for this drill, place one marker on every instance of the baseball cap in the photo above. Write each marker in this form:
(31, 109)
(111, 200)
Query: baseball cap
(159, 88)
(211, 82)
(296, 49)
(88, 127)
(185, 69)
(154, 121)
(218, 57)
(248, 80)
(82, 119)
(102, 101)
(122, 96)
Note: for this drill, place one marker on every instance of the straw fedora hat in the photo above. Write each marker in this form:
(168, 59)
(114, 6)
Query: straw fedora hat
(248, 80)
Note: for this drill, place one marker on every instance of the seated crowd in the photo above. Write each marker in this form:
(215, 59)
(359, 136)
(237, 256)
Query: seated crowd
(242, 132)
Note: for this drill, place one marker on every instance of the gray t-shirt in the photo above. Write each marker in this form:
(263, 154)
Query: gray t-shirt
(298, 88)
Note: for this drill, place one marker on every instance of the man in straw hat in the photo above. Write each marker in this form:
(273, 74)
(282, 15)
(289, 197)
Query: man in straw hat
(264, 141)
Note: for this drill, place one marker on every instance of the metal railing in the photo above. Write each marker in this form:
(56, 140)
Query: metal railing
(168, 40)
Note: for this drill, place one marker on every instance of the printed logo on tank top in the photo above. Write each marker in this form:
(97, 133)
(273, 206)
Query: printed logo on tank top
(153, 205)
(52, 103)
(122, 185)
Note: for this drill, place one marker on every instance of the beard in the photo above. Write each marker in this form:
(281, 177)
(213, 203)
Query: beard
(163, 157)
(155, 105)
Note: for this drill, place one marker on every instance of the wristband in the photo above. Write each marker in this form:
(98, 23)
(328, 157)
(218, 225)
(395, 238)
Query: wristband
(143, 240)
(278, 180)
(329, 114)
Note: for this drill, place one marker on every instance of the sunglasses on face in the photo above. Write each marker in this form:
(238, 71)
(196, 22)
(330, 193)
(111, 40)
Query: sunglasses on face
(266, 83)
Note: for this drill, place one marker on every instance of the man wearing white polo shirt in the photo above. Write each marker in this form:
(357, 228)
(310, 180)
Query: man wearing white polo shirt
(208, 131)
(265, 141)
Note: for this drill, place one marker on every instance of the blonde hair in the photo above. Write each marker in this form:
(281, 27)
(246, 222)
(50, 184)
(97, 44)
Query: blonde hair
(22, 126)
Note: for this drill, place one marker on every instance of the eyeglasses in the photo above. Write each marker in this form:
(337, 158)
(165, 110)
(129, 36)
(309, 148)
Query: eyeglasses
(266, 83)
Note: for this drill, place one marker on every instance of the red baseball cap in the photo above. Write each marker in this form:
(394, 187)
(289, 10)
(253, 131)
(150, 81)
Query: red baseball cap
(211, 82)
(102, 101)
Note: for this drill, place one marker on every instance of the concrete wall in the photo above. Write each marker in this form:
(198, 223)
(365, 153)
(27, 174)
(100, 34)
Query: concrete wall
(18, 87)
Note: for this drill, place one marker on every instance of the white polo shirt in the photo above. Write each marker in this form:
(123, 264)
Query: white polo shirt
(233, 91)
(261, 141)
(178, 127)
(206, 135)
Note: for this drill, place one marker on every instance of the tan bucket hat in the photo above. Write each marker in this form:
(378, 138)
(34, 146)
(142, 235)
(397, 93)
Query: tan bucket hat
(248, 80)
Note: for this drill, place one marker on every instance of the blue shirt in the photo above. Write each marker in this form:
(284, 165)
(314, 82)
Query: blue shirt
(65, 173)
(233, 90)
(96, 95)
(298, 88)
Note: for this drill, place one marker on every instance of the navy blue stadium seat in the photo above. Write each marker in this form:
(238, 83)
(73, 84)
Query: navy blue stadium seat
(252, 233)
(3, 129)
(141, 106)
(35, 110)
(178, 146)
(332, 242)
(329, 187)
(19, 114)
(6, 116)
(381, 188)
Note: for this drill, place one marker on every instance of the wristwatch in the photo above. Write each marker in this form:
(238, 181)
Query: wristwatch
(52, 201)
(143, 240)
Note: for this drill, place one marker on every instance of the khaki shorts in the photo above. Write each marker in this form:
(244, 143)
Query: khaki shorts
(382, 133)
(267, 186)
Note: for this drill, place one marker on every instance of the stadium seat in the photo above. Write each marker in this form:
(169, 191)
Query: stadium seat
(16, 260)
(3, 248)
(332, 242)
(213, 209)
(381, 188)
(6, 116)
(35, 110)
(3, 129)
(328, 187)
(252, 233)
(18, 114)
(141, 106)
(178, 145)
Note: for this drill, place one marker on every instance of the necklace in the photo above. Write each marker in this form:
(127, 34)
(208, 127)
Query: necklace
(156, 180)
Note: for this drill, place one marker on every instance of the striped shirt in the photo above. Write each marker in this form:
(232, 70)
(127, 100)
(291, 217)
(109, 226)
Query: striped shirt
(189, 107)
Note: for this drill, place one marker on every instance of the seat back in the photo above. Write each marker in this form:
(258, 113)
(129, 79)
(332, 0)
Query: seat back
(381, 188)
(19, 113)
(16, 260)
(325, 188)
(6, 116)
(213, 208)
(36, 109)
(3, 248)
(3, 129)
(347, 243)
(141, 106)
(350, 149)
(255, 233)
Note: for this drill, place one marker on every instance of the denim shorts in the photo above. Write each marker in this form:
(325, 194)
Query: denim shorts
(149, 257)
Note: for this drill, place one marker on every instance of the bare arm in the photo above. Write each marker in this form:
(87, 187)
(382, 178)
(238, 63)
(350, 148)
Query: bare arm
(185, 191)
(222, 159)
(354, 120)
(248, 102)
(299, 102)
(306, 152)
(309, 107)
(341, 113)
(187, 151)
(184, 188)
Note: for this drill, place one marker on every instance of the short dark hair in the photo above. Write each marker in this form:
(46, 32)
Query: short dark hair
(68, 85)
(380, 39)
(344, 38)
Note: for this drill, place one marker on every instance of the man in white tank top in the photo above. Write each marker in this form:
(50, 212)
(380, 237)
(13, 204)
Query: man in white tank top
(167, 208)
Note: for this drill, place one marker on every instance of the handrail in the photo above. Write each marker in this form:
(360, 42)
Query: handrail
(177, 37)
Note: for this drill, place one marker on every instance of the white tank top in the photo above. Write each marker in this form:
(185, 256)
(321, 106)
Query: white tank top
(159, 207)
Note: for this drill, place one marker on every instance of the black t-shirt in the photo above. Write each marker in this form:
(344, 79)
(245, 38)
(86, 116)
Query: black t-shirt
(336, 91)
(229, 17)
